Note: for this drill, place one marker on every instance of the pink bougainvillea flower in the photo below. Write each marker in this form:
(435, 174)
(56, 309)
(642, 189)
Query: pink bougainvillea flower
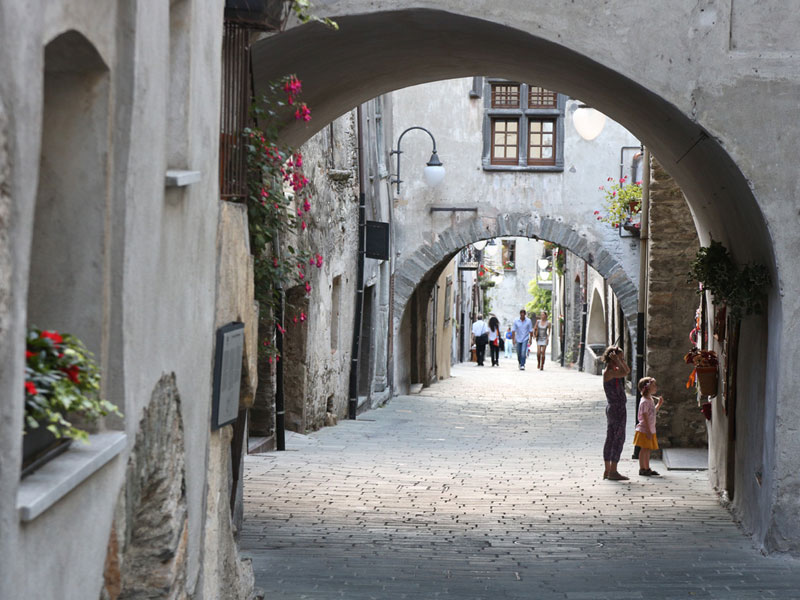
(264, 193)
(311, 260)
(281, 329)
(306, 206)
(597, 212)
(30, 388)
(301, 275)
(299, 213)
(52, 335)
(303, 316)
(319, 260)
(269, 359)
(308, 287)
(294, 319)
(303, 225)
(276, 205)
(298, 160)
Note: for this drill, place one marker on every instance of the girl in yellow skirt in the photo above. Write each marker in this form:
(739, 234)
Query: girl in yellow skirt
(645, 436)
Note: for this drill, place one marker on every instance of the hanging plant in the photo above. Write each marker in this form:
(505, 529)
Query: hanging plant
(621, 201)
(743, 290)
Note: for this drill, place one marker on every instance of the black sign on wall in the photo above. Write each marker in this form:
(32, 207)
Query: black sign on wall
(377, 240)
(227, 375)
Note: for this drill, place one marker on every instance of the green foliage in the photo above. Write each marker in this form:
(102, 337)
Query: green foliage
(302, 10)
(61, 379)
(743, 290)
(542, 299)
(621, 200)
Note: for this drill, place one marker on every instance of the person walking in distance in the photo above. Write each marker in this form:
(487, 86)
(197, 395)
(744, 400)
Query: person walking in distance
(509, 343)
(616, 413)
(480, 337)
(645, 436)
(521, 331)
(542, 333)
(494, 341)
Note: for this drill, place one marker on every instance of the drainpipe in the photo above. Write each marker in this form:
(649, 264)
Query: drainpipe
(583, 316)
(564, 311)
(644, 260)
(352, 404)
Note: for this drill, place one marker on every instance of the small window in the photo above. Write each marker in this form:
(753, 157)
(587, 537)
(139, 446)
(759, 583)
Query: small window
(542, 142)
(538, 97)
(505, 95)
(509, 255)
(505, 141)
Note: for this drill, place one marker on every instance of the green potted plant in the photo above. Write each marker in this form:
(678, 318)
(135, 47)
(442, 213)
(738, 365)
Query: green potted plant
(742, 290)
(622, 202)
(62, 384)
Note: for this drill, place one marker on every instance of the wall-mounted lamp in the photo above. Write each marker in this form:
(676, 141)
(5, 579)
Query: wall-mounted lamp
(544, 264)
(588, 121)
(434, 169)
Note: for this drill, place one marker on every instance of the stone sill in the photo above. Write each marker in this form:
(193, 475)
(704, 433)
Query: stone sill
(48, 484)
(525, 169)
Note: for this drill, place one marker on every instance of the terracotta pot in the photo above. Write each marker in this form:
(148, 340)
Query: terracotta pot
(707, 380)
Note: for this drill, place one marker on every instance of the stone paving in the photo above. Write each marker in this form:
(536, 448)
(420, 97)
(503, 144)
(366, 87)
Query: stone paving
(489, 486)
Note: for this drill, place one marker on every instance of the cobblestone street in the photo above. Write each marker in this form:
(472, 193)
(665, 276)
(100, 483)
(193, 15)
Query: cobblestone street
(485, 486)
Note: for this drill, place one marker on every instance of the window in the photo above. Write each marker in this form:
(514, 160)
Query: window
(541, 142)
(505, 141)
(523, 127)
(505, 95)
(509, 255)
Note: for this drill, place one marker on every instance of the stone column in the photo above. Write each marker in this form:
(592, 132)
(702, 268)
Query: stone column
(671, 308)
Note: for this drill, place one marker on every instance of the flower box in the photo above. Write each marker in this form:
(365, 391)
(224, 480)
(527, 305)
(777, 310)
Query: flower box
(40, 446)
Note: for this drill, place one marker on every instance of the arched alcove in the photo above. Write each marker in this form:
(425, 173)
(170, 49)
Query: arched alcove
(69, 249)
(596, 325)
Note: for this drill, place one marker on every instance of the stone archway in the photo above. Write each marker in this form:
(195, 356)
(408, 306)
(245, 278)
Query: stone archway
(429, 258)
(689, 92)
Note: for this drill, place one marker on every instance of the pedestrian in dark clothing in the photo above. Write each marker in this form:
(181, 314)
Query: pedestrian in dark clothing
(495, 335)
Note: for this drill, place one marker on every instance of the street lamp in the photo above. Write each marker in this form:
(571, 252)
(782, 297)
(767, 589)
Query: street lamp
(434, 169)
(588, 121)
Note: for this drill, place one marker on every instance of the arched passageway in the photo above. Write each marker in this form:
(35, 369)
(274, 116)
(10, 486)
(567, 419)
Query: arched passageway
(701, 135)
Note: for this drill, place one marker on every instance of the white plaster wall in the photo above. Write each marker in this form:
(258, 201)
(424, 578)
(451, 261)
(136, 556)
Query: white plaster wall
(160, 277)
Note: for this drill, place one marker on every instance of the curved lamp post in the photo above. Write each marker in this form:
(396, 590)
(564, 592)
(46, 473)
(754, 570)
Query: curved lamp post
(434, 169)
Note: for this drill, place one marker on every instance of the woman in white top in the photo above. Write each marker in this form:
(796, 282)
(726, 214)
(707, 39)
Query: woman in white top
(542, 332)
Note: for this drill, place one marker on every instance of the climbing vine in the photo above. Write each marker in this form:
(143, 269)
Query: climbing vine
(278, 206)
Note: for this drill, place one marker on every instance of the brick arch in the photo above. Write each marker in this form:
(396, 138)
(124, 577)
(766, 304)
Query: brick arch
(429, 259)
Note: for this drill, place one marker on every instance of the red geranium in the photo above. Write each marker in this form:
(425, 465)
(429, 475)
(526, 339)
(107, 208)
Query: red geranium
(52, 335)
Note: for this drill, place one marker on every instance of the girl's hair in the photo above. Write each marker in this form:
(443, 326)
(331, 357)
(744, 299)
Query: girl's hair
(644, 384)
(494, 324)
(609, 351)
(545, 313)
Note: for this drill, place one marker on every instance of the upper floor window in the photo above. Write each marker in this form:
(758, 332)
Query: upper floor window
(523, 127)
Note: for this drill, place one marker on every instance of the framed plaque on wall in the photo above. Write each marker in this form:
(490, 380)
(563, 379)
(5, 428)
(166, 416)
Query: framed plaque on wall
(227, 375)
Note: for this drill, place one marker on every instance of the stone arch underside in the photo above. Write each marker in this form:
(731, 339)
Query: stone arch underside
(428, 260)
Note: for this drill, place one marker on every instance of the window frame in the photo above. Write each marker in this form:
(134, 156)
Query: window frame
(525, 115)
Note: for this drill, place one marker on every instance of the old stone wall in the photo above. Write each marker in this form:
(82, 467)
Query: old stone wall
(319, 343)
(670, 310)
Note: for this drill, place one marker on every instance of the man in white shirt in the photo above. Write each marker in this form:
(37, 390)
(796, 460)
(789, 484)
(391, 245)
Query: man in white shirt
(520, 333)
(480, 337)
